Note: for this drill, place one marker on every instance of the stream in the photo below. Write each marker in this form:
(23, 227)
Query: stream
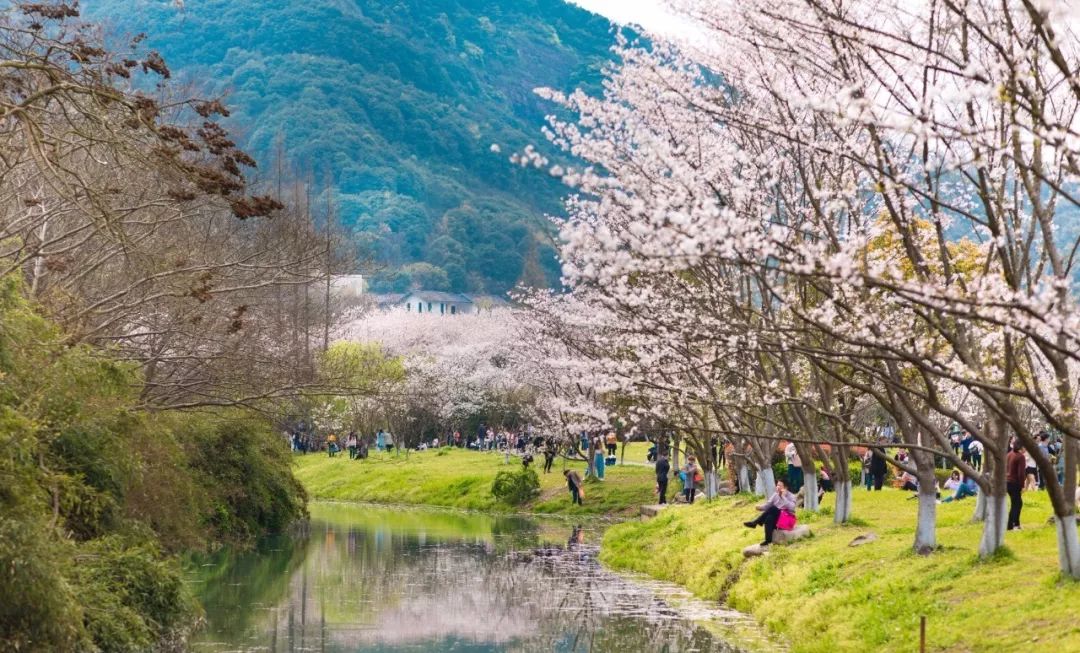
(380, 579)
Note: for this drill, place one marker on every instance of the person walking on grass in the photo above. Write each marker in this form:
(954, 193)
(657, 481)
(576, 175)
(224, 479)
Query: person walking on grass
(549, 455)
(1015, 475)
(350, 444)
(573, 483)
(663, 473)
(331, 445)
(781, 501)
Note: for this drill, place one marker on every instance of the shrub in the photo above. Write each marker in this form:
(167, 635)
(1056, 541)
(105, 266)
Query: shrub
(247, 472)
(779, 471)
(515, 488)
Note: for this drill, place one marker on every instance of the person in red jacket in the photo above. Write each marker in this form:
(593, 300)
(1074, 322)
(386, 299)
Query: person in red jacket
(1015, 471)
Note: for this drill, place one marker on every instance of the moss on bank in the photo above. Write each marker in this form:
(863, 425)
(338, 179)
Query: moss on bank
(822, 595)
(457, 478)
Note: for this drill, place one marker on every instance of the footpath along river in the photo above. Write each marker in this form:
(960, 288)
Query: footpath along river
(377, 579)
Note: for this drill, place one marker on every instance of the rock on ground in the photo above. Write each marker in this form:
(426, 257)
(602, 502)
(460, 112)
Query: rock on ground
(865, 538)
(653, 510)
(755, 550)
(797, 533)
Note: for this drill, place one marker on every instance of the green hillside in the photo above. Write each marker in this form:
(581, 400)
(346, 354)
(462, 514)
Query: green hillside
(402, 100)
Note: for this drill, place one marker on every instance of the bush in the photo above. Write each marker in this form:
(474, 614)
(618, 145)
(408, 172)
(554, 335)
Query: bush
(515, 488)
(247, 471)
(779, 471)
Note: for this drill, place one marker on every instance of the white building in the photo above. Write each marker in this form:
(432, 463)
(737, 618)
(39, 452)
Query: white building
(441, 303)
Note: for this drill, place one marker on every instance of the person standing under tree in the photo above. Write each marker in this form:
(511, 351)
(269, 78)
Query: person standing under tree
(878, 467)
(1015, 474)
(549, 455)
(573, 483)
(794, 467)
(663, 473)
(693, 475)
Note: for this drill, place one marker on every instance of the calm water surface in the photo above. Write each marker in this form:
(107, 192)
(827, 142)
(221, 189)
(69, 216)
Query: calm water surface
(366, 578)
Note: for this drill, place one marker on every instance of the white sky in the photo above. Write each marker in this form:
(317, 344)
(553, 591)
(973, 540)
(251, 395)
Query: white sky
(653, 15)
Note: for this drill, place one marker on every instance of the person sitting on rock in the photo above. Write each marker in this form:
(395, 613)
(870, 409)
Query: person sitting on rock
(781, 500)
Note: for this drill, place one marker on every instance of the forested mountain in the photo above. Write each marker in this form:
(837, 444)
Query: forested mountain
(402, 101)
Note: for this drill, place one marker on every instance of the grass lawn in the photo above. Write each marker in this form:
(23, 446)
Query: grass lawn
(820, 595)
(460, 478)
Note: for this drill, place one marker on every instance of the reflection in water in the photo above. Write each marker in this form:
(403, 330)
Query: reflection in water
(372, 579)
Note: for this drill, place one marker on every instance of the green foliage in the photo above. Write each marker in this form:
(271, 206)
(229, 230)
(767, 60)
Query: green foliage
(133, 598)
(251, 489)
(40, 610)
(96, 495)
(779, 471)
(515, 488)
(402, 101)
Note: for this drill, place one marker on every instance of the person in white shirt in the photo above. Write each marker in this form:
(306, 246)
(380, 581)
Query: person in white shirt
(953, 482)
(976, 451)
(794, 468)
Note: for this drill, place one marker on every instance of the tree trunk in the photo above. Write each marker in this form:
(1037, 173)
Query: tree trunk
(764, 483)
(712, 484)
(675, 453)
(994, 518)
(842, 511)
(992, 511)
(810, 488)
(1068, 545)
(590, 453)
(980, 507)
(926, 527)
(744, 478)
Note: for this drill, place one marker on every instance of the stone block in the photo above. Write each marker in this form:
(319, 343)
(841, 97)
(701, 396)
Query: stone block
(653, 510)
(755, 550)
(865, 538)
(786, 537)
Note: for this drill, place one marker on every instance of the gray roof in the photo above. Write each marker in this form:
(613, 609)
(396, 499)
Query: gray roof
(495, 300)
(438, 296)
(389, 299)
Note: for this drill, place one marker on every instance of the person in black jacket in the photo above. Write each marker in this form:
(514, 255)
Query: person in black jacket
(878, 467)
(663, 472)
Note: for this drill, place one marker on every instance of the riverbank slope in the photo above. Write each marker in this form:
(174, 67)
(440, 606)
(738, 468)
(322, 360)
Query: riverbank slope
(458, 478)
(822, 595)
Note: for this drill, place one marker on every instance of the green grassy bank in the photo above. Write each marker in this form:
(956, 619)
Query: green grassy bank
(821, 595)
(457, 478)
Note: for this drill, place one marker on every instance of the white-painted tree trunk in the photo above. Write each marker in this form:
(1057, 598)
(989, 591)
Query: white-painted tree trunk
(764, 483)
(980, 507)
(1068, 546)
(842, 511)
(744, 478)
(810, 490)
(994, 520)
(712, 484)
(926, 526)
